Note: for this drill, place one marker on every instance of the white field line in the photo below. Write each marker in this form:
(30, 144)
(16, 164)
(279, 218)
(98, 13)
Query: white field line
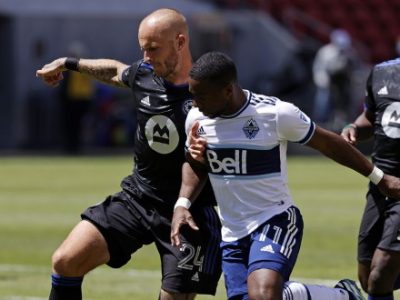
(136, 273)
(22, 298)
(133, 273)
(44, 270)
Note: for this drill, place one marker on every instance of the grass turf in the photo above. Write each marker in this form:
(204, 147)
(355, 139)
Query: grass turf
(41, 199)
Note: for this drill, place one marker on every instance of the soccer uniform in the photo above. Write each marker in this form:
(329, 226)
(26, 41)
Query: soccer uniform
(380, 225)
(141, 213)
(246, 156)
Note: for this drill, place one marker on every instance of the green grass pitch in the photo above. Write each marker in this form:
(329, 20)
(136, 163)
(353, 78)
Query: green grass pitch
(41, 199)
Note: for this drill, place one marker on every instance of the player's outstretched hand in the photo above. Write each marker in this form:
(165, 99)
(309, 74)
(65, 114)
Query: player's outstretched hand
(390, 186)
(349, 134)
(197, 144)
(182, 216)
(52, 72)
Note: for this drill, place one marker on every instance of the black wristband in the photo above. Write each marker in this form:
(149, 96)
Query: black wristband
(72, 63)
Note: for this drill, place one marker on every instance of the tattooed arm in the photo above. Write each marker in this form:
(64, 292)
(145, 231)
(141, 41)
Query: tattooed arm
(108, 71)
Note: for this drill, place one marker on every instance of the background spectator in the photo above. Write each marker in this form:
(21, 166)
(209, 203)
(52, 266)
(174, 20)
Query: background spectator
(332, 73)
(77, 93)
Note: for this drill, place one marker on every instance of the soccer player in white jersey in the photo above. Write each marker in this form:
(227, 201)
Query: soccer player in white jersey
(240, 138)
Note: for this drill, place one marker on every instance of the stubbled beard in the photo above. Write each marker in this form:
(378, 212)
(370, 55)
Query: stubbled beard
(170, 66)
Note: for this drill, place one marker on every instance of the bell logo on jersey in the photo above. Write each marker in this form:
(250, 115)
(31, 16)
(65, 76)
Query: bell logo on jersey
(228, 165)
(391, 120)
(161, 133)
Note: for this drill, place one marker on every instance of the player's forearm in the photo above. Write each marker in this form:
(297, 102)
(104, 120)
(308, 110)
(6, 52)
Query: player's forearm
(336, 148)
(108, 71)
(193, 181)
(364, 126)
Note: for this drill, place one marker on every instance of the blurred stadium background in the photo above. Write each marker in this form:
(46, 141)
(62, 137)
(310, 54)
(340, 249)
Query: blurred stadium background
(273, 42)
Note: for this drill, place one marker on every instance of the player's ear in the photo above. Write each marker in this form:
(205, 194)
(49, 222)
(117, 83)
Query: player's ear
(228, 90)
(181, 41)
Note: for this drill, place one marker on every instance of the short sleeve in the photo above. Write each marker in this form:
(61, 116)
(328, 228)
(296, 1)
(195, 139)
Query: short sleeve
(369, 102)
(129, 74)
(292, 124)
(125, 76)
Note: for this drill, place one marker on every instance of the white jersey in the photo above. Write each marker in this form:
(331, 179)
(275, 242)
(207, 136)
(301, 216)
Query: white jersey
(246, 154)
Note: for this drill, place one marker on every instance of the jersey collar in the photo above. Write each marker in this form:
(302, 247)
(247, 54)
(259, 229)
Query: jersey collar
(248, 96)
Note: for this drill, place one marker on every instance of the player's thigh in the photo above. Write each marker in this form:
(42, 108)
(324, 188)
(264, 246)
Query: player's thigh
(390, 237)
(371, 228)
(275, 245)
(122, 225)
(385, 263)
(84, 249)
(195, 266)
(235, 257)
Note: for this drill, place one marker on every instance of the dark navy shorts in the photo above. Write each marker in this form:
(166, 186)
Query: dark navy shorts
(274, 245)
(128, 223)
(380, 226)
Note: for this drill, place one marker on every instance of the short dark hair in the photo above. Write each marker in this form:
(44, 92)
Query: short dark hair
(215, 67)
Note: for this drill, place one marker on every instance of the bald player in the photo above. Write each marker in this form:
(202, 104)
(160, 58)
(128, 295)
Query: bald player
(140, 214)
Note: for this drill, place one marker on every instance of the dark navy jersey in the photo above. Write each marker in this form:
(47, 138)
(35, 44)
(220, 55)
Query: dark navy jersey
(159, 141)
(383, 100)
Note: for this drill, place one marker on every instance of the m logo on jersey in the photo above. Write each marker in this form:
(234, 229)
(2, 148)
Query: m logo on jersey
(391, 120)
(251, 128)
(394, 119)
(161, 133)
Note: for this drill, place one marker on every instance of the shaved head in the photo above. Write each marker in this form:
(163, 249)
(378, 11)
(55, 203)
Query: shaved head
(164, 40)
(165, 21)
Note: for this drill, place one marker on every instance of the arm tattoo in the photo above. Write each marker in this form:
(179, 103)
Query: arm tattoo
(105, 70)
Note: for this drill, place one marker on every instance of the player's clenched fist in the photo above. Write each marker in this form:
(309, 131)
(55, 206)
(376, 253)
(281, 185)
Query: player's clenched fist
(52, 72)
(349, 133)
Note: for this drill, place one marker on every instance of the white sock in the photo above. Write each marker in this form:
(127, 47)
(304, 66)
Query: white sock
(299, 291)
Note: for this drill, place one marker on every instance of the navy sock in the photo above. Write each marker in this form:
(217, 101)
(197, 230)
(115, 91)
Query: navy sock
(385, 297)
(65, 288)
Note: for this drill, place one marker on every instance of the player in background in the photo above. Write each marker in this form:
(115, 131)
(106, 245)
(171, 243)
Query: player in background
(241, 138)
(379, 235)
(141, 212)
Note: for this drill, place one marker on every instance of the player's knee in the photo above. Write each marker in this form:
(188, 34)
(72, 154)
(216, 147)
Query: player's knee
(59, 262)
(63, 264)
(295, 290)
(265, 292)
(376, 281)
(166, 295)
